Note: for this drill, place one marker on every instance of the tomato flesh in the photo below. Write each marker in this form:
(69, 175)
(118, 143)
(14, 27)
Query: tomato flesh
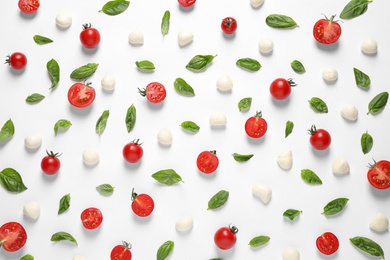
(225, 237)
(142, 204)
(186, 3)
(121, 252)
(327, 243)
(379, 175)
(28, 6)
(327, 31)
(80, 95)
(207, 162)
(155, 92)
(229, 25)
(13, 236)
(256, 126)
(91, 218)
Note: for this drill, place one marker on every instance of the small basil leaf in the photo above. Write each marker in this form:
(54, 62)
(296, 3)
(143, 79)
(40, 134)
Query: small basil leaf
(165, 250)
(54, 72)
(362, 80)
(289, 128)
(218, 200)
(115, 7)
(7, 131)
(310, 177)
(378, 103)
(64, 204)
(242, 157)
(61, 236)
(34, 98)
(280, 21)
(244, 104)
(11, 180)
(41, 40)
(248, 64)
(335, 206)
(83, 72)
(354, 8)
(183, 88)
(292, 213)
(366, 142)
(131, 117)
(190, 126)
(165, 23)
(61, 124)
(167, 177)
(102, 122)
(145, 65)
(318, 105)
(105, 189)
(27, 257)
(259, 241)
(297, 66)
(367, 245)
(200, 63)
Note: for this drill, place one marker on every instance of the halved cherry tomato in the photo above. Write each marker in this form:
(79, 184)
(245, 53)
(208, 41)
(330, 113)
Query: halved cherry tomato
(229, 25)
(320, 139)
(13, 236)
(50, 164)
(28, 6)
(89, 37)
(186, 3)
(207, 161)
(91, 218)
(327, 243)
(326, 30)
(121, 252)
(256, 126)
(133, 152)
(280, 88)
(155, 92)
(379, 174)
(142, 204)
(16, 60)
(225, 237)
(81, 95)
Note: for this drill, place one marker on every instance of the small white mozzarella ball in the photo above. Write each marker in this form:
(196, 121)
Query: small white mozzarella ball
(285, 159)
(256, 3)
(164, 137)
(330, 74)
(63, 20)
(369, 46)
(263, 192)
(340, 166)
(91, 157)
(33, 142)
(136, 38)
(379, 223)
(349, 112)
(291, 254)
(32, 210)
(266, 46)
(218, 119)
(78, 257)
(185, 37)
(108, 82)
(225, 83)
(184, 224)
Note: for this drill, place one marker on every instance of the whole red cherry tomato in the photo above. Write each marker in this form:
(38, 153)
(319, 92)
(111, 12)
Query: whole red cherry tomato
(142, 204)
(207, 161)
(320, 139)
(121, 252)
(89, 37)
(326, 30)
(13, 236)
(229, 25)
(186, 3)
(28, 6)
(280, 88)
(50, 164)
(378, 174)
(155, 92)
(16, 60)
(327, 243)
(133, 152)
(225, 237)
(91, 218)
(256, 126)
(81, 95)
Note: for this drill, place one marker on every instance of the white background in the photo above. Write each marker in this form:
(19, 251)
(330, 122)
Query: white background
(116, 56)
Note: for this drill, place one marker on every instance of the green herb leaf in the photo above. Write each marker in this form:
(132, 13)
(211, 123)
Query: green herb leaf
(64, 204)
(165, 23)
(248, 64)
(102, 122)
(61, 236)
(41, 40)
(190, 126)
(83, 72)
(292, 213)
(7, 131)
(61, 124)
(378, 103)
(183, 88)
(11, 180)
(200, 63)
(115, 7)
(242, 157)
(289, 128)
(131, 117)
(335, 206)
(297, 66)
(145, 65)
(362, 80)
(367, 245)
(280, 21)
(218, 200)
(259, 241)
(354, 8)
(34, 98)
(165, 250)
(167, 177)
(54, 72)
(366, 142)
(310, 177)
(105, 189)
(318, 105)
(244, 104)
(27, 257)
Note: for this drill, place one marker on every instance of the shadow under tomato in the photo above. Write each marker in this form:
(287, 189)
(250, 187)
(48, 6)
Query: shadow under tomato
(225, 254)
(229, 37)
(378, 193)
(141, 220)
(281, 103)
(89, 51)
(332, 256)
(80, 111)
(91, 232)
(17, 73)
(320, 153)
(50, 178)
(187, 9)
(132, 166)
(208, 176)
(155, 106)
(28, 16)
(328, 47)
(256, 141)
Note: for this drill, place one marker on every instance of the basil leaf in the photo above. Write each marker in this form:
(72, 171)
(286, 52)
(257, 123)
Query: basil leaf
(131, 117)
(102, 122)
(292, 213)
(7, 131)
(64, 204)
(310, 177)
(367, 245)
(289, 128)
(183, 88)
(165, 250)
(41, 40)
(34, 98)
(54, 72)
(61, 124)
(378, 103)
(248, 64)
(297, 66)
(362, 80)
(259, 241)
(335, 206)
(165, 23)
(280, 21)
(167, 177)
(27, 257)
(200, 63)
(145, 65)
(354, 8)
(366, 142)
(61, 236)
(83, 72)
(244, 104)
(12, 181)
(115, 7)
(318, 105)
(242, 157)
(218, 200)
(105, 189)
(190, 126)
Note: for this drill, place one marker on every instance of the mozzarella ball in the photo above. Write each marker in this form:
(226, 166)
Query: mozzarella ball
(369, 46)
(225, 83)
(108, 82)
(256, 3)
(266, 46)
(33, 142)
(184, 224)
(290, 254)
(349, 112)
(91, 157)
(164, 137)
(263, 192)
(218, 119)
(136, 38)
(63, 20)
(185, 37)
(379, 223)
(284, 159)
(32, 210)
(330, 74)
(78, 257)
(340, 166)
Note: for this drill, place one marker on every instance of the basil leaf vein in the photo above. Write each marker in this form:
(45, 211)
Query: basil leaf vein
(218, 199)
(318, 105)
(244, 104)
(54, 72)
(34, 98)
(167, 177)
(190, 126)
(292, 213)
(61, 124)
(165, 23)
(378, 103)
(366, 142)
(41, 40)
(200, 62)
(165, 250)
(248, 64)
(310, 177)
(64, 204)
(11, 180)
(354, 8)
(145, 65)
(335, 206)
(131, 117)
(183, 88)
(280, 21)
(83, 72)
(259, 241)
(63, 236)
(297, 66)
(102, 122)
(115, 7)
(368, 245)
(7, 131)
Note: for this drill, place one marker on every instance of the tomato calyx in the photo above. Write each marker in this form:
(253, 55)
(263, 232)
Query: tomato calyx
(86, 26)
(142, 92)
(213, 152)
(228, 21)
(312, 130)
(134, 195)
(136, 141)
(291, 82)
(126, 245)
(52, 154)
(258, 114)
(234, 229)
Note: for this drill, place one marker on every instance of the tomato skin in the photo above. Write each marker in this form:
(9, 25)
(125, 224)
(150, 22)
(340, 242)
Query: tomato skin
(207, 161)
(13, 236)
(155, 92)
(133, 151)
(89, 37)
(327, 31)
(16, 60)
(256, 126)
(225, 237)
(50, 164)
(142, 204)
(121, 252)
(28, 6)
(327, 243)
(186, 3)
(81, 95)
(280, 88)
(229, 25)
(91, 218)
(320, 139)
(378, 174)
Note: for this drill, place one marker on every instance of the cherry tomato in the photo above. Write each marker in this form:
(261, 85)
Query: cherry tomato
(50, 164)
(327, 243)
(225, 237)
(229, 25)
(121, 252)
(186, 3)
(132, 152)
(142, 204)
(13, 236)
(89, 37)
(326, 30)
(207, 161)
(320, 139)
(256, 126)
(91, 218)
(81, 95)
(155, 92)
(28, 6)
(16, 60)
(280, 88)
(379, 174)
